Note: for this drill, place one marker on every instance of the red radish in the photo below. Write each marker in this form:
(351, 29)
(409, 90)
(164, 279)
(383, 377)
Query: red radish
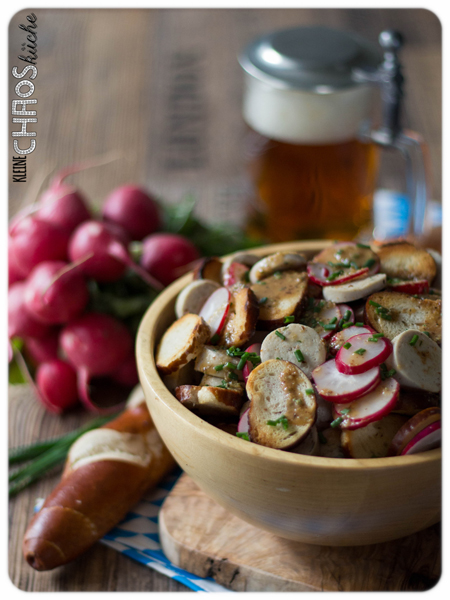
(420, 286)
(243, 425)
(127, 373)
(427, 439)
(14, 271)
(345, 309)
(215, 310)
(96, 341)
(57, 383)
(63, 205)
(248, 367)
(371, 407)
(361, 353)
(33, 240)
(101, 395)
(234, 273)
(110, 257)
(412, 428)
(132, 208)
(55, 294)
(323, 275)
(43, 349)
(164, 254)
(20, 321)
(337, 387)
(343, 336)
(351, 254)
(120, 233)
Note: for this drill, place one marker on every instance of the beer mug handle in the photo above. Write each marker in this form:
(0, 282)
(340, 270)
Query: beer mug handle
(389, 78)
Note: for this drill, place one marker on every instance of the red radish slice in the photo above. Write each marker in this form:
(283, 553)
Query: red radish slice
(371, 407)
(326, 315)
(319, 273)
(248, 367)
(215, 310)
(412, 428)
(343, 309)
(243, 426)
(235, 273)
(359, 255)
(362, 353)
(411, 287)
(341, 337)
(428, 439)
(337, 387)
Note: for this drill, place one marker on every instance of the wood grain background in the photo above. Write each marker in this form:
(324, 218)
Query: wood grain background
(163, 89)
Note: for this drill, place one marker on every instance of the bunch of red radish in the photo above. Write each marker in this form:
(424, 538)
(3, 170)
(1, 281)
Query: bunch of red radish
(54, 248)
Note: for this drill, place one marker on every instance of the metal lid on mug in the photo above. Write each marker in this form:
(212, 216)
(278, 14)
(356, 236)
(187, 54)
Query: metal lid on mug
(316, 59)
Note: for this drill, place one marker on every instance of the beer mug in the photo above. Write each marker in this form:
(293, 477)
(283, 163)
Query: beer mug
(312, 151)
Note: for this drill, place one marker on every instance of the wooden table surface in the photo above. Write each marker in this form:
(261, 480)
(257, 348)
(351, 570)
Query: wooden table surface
(162, 89)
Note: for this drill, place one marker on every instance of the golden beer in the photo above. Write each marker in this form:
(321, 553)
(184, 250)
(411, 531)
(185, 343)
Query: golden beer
(312, 173)
(310, 191)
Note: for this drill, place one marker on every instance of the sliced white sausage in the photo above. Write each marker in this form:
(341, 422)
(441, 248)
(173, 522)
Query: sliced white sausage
(212, 381)
(301, 345)
(417, 361)
(280, 261)
(283, 404)
(355, 290)
(214, 361)
(193, 296)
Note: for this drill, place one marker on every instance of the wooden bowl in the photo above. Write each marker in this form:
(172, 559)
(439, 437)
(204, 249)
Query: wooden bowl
(336, 502)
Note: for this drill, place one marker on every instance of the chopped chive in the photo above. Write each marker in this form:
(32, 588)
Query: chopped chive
(243, 435)
(347, 315)
(233, 376)
(319, 306)
(299, 355)
(369, 263)
(309, 391)
(346, 325)
(278, 358)
(345, 411)
(427, 333)
(333, 321)
(283, 420)
(347, 345)
(359, 324)
(328, 326)
(218, 367)
(289, 319)
(360, 351)
(241, 363)
(230, 365)
(263, 300)
(363, 246)
(322, 438)
(280, 335)
(336, 422)
(215, 338)
(222, 386)
(373, 303)
(413, 340)
(247, 276)
(335, 275)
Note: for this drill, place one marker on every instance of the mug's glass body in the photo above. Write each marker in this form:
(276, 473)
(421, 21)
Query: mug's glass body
(312, 169)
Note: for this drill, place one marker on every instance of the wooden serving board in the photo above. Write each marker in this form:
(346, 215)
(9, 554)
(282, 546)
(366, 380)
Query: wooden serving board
(203, 538)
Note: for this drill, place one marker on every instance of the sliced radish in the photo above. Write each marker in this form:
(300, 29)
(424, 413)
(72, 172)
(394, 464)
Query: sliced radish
(412, 428)
(428, 439)
(215, 310)
(341, 337)
(324, 317)
(337, 387)
(350, 254)
(410, 287)
(361, 353)
(326, 275)
(248, 367)
(235, 273)
(345, 309)
(370, 407)
(243, 422)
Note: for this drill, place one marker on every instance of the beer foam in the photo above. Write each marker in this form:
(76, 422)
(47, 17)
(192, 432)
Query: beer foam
(300, 117)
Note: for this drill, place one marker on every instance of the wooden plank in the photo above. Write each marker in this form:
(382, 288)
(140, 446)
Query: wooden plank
(202, 537)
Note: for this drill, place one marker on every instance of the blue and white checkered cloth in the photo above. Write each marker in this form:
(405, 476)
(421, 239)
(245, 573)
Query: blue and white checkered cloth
(137, 536)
